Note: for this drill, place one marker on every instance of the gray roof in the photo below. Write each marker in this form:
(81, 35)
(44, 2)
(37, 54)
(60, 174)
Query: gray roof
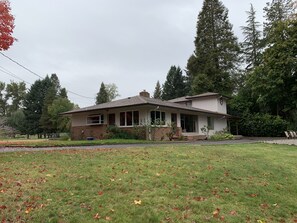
(139, 100)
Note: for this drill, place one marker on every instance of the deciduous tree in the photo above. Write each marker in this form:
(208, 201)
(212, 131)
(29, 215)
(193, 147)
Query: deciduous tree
(6, 25)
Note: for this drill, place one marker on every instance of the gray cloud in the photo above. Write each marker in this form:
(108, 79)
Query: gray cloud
(131, 43)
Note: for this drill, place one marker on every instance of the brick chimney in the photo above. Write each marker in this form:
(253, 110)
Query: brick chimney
(144, 93)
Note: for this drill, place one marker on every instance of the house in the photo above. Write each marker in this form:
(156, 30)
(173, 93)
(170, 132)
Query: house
(190, 114)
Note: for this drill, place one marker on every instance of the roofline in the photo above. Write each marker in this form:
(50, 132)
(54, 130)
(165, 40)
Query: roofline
(189, 109)
(208, 96)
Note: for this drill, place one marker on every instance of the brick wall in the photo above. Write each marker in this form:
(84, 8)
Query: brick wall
(83, 132)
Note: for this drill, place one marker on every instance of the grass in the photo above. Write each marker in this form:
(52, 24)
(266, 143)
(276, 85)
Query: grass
(230, 183)
(61, 143)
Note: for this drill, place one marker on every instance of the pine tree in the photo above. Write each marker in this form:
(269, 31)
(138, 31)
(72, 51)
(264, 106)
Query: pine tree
(174, 85)
(214, 63)
(102, 95)
(277, 11)
(251, 45)
(33, 105)
(158, 91)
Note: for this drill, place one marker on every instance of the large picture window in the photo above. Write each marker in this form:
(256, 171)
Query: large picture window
(158, 118)
(129, 118)
(95, 119)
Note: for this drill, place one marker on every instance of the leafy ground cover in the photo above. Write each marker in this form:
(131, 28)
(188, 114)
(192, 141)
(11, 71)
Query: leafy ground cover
(230, 183)
(61, 143)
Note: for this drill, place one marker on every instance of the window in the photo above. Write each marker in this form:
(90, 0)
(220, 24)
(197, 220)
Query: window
(129, 118)
(210, 123)
(174, 118)
(95, 119)
(157, 118)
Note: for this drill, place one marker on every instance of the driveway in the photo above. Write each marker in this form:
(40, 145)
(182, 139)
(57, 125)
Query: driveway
(202, 142)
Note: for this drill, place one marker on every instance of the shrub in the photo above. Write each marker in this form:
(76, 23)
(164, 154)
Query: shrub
(262, 125)
(222, 135)
(114, 132)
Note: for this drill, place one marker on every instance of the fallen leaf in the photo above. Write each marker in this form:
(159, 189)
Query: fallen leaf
(100, 193)
(260, 221)
(107, 218)
(137, 202)
(157, 174)
(97, 216)
(264, 206)
(216, 213)
(227, 190)
(253, 195)
(199, 198)
(233, 212)
(3, 207)
(222, 218)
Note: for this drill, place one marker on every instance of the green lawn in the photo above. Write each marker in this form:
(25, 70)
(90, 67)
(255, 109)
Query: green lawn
(230, 183)
(61, 143)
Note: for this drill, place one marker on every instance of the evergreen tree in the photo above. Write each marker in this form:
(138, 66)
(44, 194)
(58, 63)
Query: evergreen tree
(33, 105)
(50, 95)
(63, 93)
(102, 95)
(174, 85)
(274, 81)
(277, 11)
(158, 91)
(214, 63)
(251, 45)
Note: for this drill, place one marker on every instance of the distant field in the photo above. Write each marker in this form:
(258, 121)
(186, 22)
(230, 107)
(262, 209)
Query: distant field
(230, 183)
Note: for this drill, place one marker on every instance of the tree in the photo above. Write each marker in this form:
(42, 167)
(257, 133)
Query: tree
(6, 26)
(277, 11)
(60, 123)
(158, 91)
(174, 85)
(112, 91)
(102, 95)
(16, 93)
(216, 55)
(3, 99)
(51, 94)
(252, 43)
(17, 121)
(33, 105)
(274, 81)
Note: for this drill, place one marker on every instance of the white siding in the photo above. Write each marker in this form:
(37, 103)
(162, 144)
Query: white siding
(211, 104)
(219, 124)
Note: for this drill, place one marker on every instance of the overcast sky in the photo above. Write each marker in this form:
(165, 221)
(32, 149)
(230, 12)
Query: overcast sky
(131, 43)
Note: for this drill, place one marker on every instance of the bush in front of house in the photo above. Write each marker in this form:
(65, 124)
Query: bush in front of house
(114, 132)
(222, 135)
(264, 125)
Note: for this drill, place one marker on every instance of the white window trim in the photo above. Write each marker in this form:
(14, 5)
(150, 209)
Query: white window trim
(101, 119)
(133, 124)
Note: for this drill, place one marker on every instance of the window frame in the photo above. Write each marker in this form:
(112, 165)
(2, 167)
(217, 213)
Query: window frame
(210, 123)
(161, 116)
(92, 121)
(133, 120)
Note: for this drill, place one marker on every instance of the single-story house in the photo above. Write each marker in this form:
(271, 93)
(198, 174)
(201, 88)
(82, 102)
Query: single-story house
(190, 114)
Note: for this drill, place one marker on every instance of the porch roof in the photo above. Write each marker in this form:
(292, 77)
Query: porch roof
(141, 101)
